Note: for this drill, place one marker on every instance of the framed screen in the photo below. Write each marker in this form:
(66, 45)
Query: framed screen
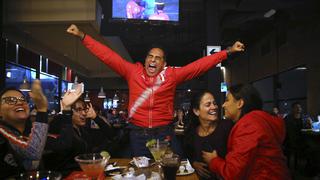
(107, 103)
(160, 10)
(224, 87)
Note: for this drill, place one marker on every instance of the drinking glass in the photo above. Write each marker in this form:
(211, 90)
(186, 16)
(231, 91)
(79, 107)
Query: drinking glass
(93, 164)
(170, 165)
(158, 150)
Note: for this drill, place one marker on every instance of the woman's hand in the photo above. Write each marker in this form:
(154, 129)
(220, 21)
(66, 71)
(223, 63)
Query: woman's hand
(91, 114)
(202, 169)
(70, 97)
(39, 99)
(208, 156)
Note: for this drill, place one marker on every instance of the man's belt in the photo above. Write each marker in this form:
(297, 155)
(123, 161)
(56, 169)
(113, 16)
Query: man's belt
(155, 130)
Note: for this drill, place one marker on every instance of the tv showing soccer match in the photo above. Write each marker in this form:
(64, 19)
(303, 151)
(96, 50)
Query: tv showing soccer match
(161, 10)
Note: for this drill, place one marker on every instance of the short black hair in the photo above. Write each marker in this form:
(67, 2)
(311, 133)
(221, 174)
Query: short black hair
(159, 46)
(79, 100)
(160, 6)
(10, 89)
(250, 96)
(295, 103)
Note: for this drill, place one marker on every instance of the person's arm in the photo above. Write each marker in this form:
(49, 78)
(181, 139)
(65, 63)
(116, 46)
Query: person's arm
(202, 65)
(245, 140)
(104, 53)
(62, 141)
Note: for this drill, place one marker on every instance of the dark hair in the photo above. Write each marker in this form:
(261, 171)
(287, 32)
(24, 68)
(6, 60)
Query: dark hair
(79, 100)
(250, 96)
(160, 6)
(295, 103)
(10, 89)
(159, 46)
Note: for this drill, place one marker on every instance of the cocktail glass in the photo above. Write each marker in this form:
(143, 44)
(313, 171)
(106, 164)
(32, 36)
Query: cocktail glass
(158, 150)
(93, 164)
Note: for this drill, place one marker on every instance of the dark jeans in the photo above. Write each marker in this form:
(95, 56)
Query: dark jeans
(139, 136)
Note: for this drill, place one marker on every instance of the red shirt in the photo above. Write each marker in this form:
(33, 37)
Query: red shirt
(151, 98)
(254, 149)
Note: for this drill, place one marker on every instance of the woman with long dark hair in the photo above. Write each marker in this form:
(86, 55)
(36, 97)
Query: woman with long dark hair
(254, 145)
(206, 133)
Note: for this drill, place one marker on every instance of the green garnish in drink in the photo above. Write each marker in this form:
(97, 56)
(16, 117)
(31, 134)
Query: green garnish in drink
(105, 154)
(151, 142)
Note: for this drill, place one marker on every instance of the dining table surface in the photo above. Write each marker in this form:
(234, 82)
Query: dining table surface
(126, 163)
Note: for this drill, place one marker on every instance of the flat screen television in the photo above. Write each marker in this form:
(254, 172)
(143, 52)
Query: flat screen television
(224, 87)
(158, 10)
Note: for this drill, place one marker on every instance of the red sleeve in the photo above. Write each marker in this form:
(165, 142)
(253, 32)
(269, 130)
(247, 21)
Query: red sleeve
(241, 153)
(108, 57)
(199, 66)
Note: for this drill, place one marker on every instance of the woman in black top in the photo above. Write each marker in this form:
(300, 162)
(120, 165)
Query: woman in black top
(205, 133)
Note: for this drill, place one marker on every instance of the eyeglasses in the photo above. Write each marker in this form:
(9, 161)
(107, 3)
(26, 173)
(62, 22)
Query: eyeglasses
(13, 100)
(79, 110)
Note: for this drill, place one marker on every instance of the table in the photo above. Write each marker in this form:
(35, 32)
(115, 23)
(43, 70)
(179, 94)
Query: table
(125, 162)
(122, 162)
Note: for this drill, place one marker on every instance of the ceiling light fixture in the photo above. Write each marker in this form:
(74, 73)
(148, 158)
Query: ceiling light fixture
(87, 99)
(25, 86)
(270, 13)
(101, 94)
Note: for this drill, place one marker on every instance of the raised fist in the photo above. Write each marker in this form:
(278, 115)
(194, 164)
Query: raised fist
(237, 47)
(74, 30)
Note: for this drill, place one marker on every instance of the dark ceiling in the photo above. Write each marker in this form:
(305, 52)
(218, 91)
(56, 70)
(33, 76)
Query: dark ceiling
(238, 20)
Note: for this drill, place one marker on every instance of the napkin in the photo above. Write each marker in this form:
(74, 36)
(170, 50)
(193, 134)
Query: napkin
(141, 161)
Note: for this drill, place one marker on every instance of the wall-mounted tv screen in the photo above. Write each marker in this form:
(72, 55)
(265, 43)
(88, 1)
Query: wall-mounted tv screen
(161, 10)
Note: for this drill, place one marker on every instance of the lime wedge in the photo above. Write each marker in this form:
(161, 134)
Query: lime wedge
(105, 154)
(151, 142)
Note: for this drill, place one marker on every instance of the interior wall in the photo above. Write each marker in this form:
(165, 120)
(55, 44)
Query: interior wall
(300, 48)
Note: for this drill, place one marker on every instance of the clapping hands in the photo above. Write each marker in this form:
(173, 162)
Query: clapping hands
(39, 99)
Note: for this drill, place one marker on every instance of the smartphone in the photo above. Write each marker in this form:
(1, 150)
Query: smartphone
(72, 87)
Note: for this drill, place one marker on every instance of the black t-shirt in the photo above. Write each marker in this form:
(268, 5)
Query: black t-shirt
(217, 140)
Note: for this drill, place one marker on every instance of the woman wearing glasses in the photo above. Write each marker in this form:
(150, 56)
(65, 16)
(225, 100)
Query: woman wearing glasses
(19, 151)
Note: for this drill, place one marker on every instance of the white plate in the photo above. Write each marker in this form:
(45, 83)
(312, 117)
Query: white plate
(190, 171)
(188, 166)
